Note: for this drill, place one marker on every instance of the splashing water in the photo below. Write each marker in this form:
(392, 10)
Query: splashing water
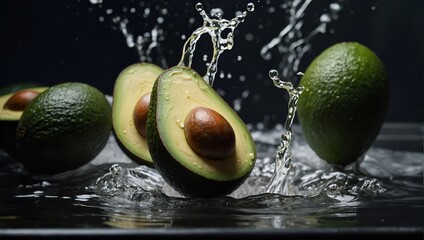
(309, 176)
(147, 42)
(291, 43)
(214, 26)
(284, 155)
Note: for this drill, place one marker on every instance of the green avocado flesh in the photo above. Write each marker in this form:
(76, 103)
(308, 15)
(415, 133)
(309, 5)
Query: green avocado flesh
(9, 120)
(132, 83)
(176, 92)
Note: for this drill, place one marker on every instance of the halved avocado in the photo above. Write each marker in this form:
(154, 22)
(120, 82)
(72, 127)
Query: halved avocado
(133, 83)
(9, 119)
(175, 94)
(14, 87)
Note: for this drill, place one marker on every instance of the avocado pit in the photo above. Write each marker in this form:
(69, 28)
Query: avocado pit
(140, 114)
(19, 100)
(209, 134)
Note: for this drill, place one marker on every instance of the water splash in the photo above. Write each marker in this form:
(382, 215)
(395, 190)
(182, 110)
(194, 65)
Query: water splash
(215, 27)
(284, 155)
(145, 43)
(291, 43)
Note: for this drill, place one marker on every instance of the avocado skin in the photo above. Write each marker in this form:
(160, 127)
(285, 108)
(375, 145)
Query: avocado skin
(63, 128)
(188, 183)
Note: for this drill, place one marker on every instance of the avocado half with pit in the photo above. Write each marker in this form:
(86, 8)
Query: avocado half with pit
(198, 143)
(12, 106)
(131, 97)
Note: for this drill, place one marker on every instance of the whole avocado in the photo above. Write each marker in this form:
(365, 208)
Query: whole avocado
(344, 103)
(63, 128)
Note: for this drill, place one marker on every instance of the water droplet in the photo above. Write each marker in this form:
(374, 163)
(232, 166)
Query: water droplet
(221, 75)
(199, 7)
(249, 37)
(160, 20)
(180, 123)
(251, 156)
(217, 13)
(237, 104)
(166, 95)
(245, 93)
(325, 18)
(335, 7)
(124, 131)
(273, 74)
(202, 86)
(96, 1)
(250, 7)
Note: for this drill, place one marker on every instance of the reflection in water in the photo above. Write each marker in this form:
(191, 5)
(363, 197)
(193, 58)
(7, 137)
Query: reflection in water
(126, 195)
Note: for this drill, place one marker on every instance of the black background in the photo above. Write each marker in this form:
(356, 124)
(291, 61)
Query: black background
(50, 42)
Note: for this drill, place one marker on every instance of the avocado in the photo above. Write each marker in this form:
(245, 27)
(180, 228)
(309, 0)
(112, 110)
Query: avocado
(12, 105)
(14, 87)
(63, 128)
(179, 96)
(131, 97)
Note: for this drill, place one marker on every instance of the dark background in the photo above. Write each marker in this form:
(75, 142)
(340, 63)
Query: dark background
(50, 42)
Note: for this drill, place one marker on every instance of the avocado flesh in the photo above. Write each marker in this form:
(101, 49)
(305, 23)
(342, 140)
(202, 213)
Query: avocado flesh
(176, 92)
(9, 115)
(9, 122)
(132, 83)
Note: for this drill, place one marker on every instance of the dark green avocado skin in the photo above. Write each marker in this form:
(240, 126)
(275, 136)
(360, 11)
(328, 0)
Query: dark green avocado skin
(63, 129)
(177, 176)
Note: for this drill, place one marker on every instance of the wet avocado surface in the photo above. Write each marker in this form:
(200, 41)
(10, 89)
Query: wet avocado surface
(133, 82)
(176, 92)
